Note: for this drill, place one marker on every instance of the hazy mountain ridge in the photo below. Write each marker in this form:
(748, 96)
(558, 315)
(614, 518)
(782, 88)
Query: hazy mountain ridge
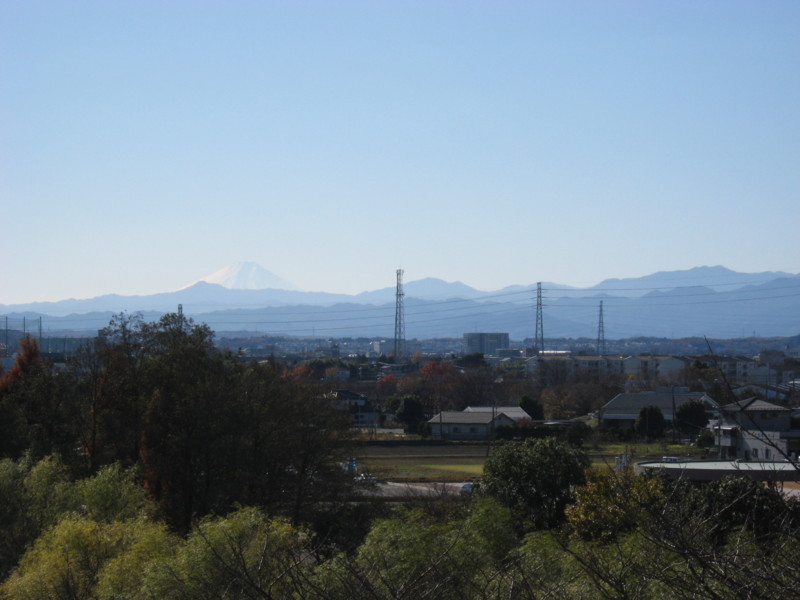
(717, 278)
(726, 304)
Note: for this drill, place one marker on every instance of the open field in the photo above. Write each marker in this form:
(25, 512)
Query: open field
(412, 462)
(454, 462)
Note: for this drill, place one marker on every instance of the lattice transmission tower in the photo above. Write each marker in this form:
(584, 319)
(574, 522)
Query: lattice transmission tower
(538, 342)
(601, 334)
(399, 319)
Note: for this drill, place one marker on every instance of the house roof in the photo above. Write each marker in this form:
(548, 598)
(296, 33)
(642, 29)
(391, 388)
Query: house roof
(513, 412)
(628, 405)
(467, 418)
(753, 404)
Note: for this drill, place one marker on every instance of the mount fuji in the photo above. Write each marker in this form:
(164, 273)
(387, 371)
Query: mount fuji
(247, 276)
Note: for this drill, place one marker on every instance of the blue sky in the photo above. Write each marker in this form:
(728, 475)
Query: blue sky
(144, 145)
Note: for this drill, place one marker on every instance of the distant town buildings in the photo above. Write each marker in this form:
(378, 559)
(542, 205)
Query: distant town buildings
(485, 343)
(648, 369)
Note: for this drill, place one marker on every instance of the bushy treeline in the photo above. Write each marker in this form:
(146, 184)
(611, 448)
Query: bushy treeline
(623, 536)
(206, 431)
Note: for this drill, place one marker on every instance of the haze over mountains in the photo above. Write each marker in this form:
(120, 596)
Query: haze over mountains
(712, 301)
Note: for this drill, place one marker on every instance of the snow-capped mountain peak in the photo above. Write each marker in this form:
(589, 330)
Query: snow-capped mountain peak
(247, 276)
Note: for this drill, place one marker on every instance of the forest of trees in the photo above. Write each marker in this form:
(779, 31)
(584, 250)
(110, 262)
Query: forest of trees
(156, 467)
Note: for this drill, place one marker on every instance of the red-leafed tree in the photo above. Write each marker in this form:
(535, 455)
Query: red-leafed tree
(33, 400)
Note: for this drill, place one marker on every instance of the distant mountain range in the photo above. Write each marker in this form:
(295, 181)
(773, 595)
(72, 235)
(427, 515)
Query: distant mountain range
(711, 301)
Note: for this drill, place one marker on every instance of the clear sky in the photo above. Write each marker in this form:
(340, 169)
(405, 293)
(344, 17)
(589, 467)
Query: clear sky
(146, 144)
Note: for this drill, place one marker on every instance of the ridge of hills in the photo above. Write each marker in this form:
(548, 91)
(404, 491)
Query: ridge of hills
(712, 301)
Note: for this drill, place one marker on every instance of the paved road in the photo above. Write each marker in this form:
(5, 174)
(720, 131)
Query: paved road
(392, 489)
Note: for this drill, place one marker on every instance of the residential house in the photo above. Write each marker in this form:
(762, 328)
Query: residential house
(754, 429)
(467, 425)
(621, 411)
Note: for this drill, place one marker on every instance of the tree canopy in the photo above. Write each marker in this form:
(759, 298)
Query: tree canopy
(691, 417)
(206, 430)
(533, 407)
(535, 478)
(650, 422)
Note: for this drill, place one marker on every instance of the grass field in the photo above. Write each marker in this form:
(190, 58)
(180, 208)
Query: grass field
(454, 462)
(408, 462)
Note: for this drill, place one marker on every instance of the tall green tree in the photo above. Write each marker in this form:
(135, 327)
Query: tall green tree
(33, 406)
(650, 422)
(110, 404)
(187, 448)
(292, 442)
(533, 407)
(691, 417)
(535, 478)
(410, 413)
(611, 503)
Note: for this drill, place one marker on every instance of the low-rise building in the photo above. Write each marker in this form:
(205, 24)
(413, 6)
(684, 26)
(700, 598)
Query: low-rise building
(653, 368)
(755, 429)
(467, 425)
(621, 411)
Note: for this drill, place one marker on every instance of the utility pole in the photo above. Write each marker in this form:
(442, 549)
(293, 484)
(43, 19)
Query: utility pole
(538, 341)
(674, 416)
(399, 319)
(601, 334)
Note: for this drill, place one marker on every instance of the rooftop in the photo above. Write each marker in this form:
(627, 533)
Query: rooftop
(710, 470)
(753, 404)
(467, 418)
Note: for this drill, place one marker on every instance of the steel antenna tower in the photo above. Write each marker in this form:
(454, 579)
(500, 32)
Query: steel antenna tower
(538, 342)
(399, 318)
(601, 334)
